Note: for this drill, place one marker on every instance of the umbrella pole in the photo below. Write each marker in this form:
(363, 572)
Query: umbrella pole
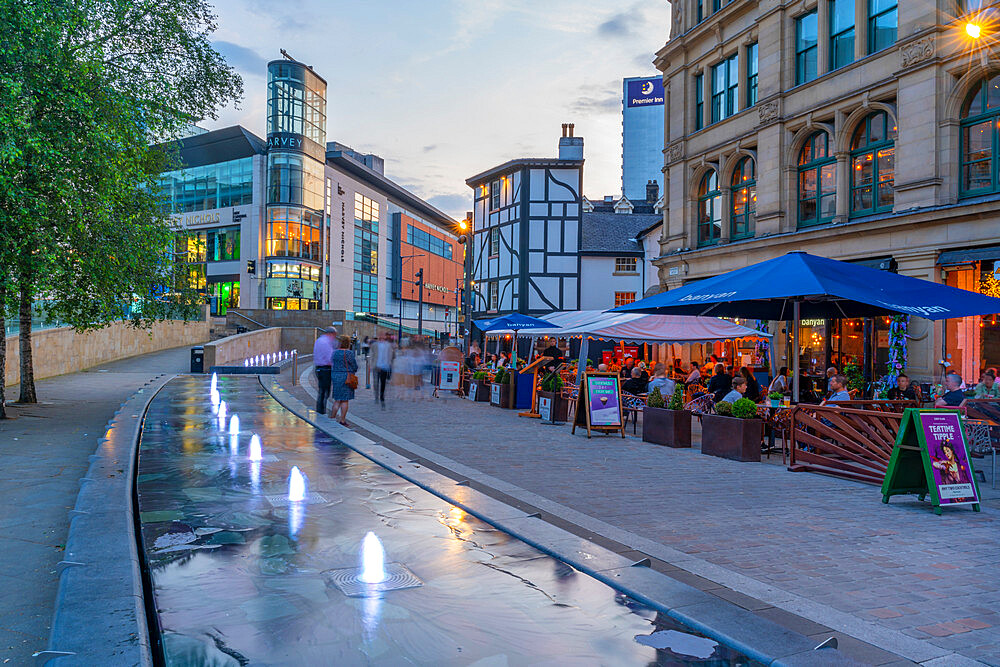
(795, 351)
(581, 366)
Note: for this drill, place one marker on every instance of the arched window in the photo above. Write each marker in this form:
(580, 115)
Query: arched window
(709, 209)
(817, 181)
(873, 164)
(979, 139)
(744, 199)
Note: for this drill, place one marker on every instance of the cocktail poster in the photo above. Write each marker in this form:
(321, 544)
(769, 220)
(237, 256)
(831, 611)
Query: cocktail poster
(948, 458)
(604, 406)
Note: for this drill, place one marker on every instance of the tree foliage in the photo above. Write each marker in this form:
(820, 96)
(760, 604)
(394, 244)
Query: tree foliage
(88, 89)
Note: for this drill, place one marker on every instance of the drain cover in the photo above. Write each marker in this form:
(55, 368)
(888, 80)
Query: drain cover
(282, 500)
(348, 582)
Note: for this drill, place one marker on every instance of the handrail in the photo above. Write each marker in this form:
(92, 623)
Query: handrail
(248, 319)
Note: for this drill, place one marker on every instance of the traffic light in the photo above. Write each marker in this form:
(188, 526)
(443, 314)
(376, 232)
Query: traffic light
(252, 266)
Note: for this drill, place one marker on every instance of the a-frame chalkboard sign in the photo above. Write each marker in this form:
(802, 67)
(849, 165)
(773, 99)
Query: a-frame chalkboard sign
(930, 458)
(599, 405)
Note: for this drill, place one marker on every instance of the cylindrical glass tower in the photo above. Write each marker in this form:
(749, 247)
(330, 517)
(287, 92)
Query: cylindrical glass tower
(296, 139)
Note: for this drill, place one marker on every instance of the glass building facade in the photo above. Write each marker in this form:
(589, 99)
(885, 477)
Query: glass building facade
(295, 221)
(207, 187)
(366, 226)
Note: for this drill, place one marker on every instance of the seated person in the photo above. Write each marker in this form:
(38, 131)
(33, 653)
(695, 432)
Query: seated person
(660, 379)
(694, 377)
(838, 390)
(721, 382)
(954, 396)
(904, 391)
(626, 370)
(645, 374)
(635, 385)
(739, 388)
(987, 387)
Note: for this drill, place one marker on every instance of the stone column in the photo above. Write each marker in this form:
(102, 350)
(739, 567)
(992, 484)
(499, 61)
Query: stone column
(843, 187)
(861, 29)
(706, 95)
(823, 37)
(741, 69)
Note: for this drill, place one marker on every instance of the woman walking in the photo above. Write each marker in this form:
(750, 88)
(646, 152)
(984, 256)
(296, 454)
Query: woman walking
(343, 381)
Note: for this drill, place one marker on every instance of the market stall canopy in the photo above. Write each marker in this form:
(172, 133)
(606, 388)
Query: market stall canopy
(822, 288)
(638, 328)
(513, 321)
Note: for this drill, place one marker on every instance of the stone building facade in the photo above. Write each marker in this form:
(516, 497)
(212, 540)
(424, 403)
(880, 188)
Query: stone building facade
(862, 130)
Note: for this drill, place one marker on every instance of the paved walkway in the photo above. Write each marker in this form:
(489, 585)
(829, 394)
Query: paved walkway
(825, 548)
(45, 450)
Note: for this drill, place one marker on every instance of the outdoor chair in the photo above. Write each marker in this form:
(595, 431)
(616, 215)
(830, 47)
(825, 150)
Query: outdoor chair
(632, 406)
(570, 393)
(703, 405)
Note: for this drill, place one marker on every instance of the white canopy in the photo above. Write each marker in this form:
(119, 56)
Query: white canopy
(638, 328)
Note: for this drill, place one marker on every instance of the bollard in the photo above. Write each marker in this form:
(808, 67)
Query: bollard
(295, 368)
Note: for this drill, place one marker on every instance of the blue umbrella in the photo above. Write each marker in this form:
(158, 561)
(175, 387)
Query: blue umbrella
(800, 285)
(515, 321)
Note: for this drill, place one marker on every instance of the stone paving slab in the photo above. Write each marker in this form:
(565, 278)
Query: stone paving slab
(824, 548)
(45, 450)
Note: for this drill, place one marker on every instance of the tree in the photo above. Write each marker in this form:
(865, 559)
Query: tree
(95, 85)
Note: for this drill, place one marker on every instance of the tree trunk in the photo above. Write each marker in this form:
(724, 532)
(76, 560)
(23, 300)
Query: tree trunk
(24, 338)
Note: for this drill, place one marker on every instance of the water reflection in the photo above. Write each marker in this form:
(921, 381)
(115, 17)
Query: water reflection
(235, 575)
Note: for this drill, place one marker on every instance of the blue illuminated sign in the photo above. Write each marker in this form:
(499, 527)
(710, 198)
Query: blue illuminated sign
(644, 92)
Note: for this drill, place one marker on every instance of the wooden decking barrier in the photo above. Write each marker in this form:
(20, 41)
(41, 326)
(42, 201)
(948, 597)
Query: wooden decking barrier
(842, 441)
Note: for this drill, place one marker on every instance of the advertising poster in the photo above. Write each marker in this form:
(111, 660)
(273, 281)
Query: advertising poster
(494, 394)
(949, 458)
(545, 408)
(451, 376)
(473, 390)
(604, 407)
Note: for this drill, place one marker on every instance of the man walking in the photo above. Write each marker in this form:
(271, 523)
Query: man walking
(322, 360)
(383, 366)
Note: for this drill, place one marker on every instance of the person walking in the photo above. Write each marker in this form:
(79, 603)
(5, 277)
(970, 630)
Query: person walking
(383, 366)
(343, 381)
(322, 353)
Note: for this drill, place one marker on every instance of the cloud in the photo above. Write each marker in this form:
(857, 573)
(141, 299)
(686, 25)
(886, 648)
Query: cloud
(431, 147)
(593, 104)
(455, 205)
(619, 25)
(645, 60)
(245, 60)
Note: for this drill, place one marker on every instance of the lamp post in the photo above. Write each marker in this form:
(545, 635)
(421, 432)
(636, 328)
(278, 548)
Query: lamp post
(399, 330)
(420, 302)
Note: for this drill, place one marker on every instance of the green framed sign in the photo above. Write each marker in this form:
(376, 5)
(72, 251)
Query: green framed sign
(930, 458)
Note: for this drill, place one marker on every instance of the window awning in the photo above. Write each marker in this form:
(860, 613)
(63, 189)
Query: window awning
(968, 256)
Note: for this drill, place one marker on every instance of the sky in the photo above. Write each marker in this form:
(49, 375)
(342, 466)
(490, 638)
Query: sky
(445, 89)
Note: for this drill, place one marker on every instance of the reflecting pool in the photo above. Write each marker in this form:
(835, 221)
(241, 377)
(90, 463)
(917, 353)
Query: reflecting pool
(242, 572)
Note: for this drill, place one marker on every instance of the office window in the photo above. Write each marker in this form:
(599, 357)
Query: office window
(841, 33)
(494, 295)
(979, 139)
(701, 10)
(882, 23)
(699, 101)
(806, 47)
(744, 199)
(873, 162)
(418, 238)
(751, 75)
(817, 181)
(624, 298)
(626, 265)
(725, 83)
(494, 241)
(709, 209)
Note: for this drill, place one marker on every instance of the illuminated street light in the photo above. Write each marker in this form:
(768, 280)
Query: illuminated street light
(973, 30)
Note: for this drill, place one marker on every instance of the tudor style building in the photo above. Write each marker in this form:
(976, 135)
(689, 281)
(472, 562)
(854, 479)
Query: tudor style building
(863, 130)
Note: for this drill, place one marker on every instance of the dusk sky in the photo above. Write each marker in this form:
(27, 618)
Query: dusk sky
(448, 88)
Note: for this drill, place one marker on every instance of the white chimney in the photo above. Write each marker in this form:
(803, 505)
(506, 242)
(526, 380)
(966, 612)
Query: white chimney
(570, 147)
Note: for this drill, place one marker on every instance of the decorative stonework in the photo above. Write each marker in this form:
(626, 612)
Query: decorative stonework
(769, 111)
(675, 152)
(917, 52)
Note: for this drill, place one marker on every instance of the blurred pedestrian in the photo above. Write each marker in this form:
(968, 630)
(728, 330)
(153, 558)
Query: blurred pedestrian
(383, 366)
(343, 381)
(322, 353)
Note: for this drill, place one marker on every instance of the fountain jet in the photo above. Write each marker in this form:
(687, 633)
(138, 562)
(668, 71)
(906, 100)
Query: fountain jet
(234, 424)
(255, 454)
(296, 485)
(215, 381)
(222, 415)
(372, 560)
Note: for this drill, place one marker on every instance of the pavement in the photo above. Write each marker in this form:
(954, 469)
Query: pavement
(45, 449)
(824, 556)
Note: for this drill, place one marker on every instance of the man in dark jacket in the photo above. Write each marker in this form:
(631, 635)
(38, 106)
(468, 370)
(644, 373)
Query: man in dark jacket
(721, 382)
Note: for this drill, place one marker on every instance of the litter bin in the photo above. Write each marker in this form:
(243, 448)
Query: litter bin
(198, 359)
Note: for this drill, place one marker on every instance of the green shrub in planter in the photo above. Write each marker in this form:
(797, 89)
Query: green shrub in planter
(479, 375)
(552, 383)
(744, 409)
(501, 376)
(677, 400)
(655, 399)
(724, 408)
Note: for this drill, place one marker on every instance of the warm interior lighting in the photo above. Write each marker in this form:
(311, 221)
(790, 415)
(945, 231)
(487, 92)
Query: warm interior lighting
(973, 30)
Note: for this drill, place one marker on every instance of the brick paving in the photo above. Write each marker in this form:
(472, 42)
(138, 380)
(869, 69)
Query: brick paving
(830, 541)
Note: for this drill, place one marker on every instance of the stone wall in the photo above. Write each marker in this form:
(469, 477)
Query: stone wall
(63, 350)
(231, 351)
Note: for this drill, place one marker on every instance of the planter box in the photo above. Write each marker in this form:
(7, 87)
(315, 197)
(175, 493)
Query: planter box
(671, 428)
(479, 392)
(560, 407)
(501, 395)
(731, 438)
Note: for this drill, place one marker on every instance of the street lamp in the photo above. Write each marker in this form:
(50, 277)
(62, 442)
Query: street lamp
(402, 280)
(973, 30)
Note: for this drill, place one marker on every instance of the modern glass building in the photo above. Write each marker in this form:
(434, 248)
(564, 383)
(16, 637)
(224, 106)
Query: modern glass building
(295, 217)
(642, 135)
